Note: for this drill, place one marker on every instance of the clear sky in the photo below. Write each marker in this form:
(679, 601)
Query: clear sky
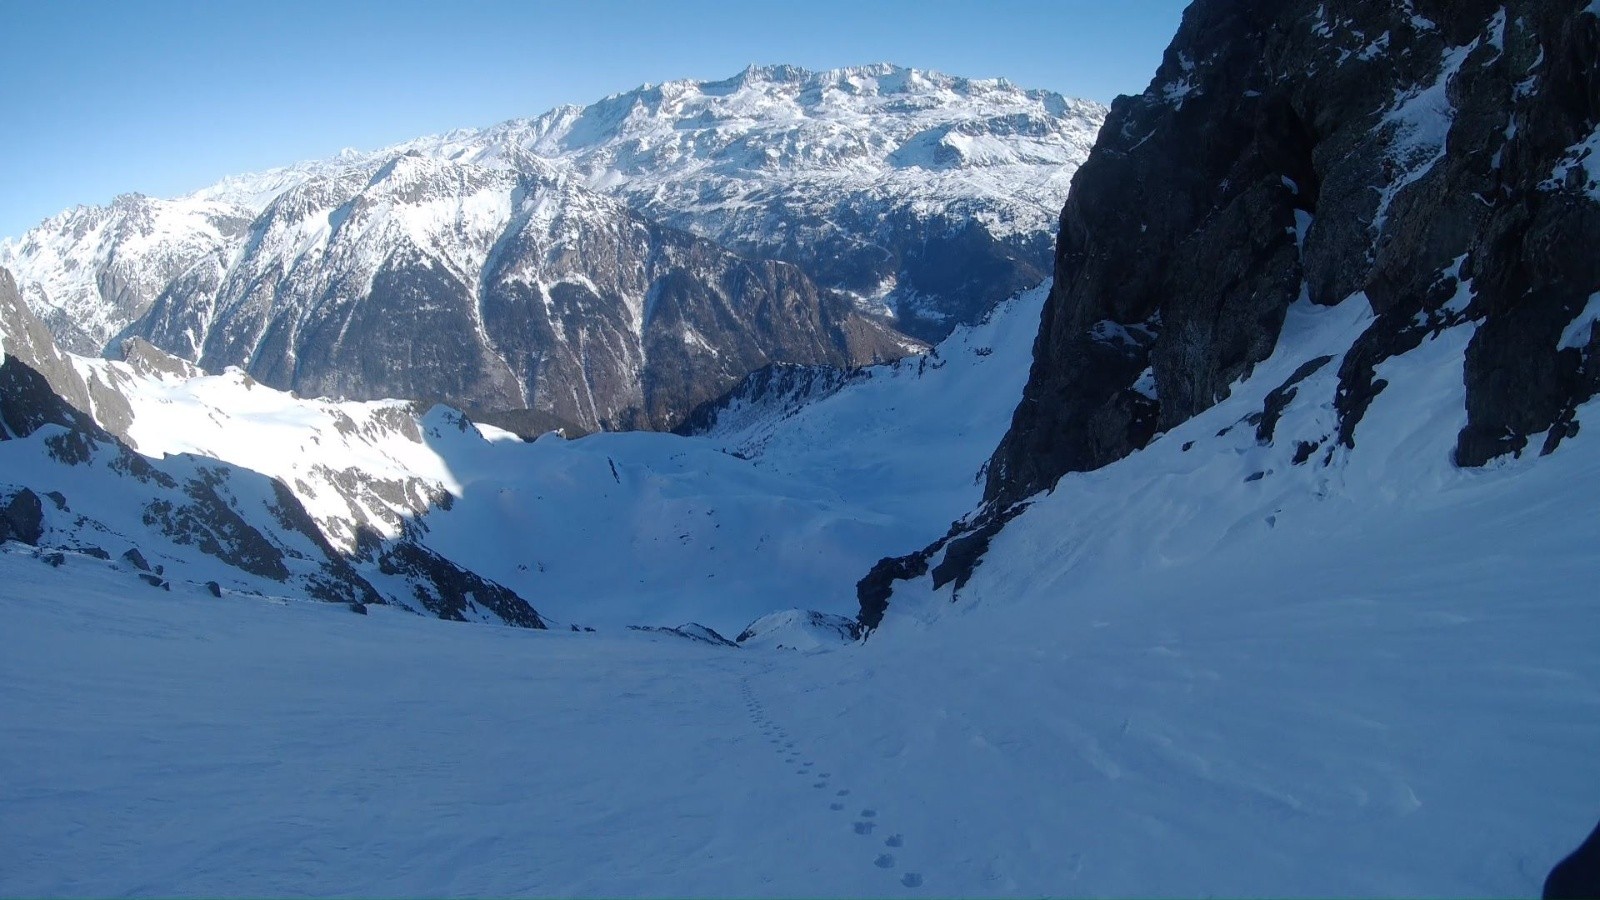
(166, 96)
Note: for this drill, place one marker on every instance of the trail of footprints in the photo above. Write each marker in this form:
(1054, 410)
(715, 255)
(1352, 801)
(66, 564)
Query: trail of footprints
(784, 745)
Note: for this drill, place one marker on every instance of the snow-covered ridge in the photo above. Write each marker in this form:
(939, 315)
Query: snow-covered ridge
(90, 270)
(835, 171)
(780, 125)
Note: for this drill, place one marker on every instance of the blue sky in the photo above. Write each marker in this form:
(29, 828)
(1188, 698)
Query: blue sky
(164, 97)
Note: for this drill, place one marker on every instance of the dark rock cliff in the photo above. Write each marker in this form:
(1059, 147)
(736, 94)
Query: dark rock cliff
(1406, 140)
(1438, 157)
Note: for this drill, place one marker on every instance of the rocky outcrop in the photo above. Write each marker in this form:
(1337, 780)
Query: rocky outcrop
(692, 631)
(1439, 160)
(1321, 149)
(21, 517)
(451, 592)
(38, 383)
(1578, 875)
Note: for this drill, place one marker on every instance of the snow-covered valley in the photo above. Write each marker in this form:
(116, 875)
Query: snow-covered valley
(1257, 549)
(1334, 683)
(768, 511)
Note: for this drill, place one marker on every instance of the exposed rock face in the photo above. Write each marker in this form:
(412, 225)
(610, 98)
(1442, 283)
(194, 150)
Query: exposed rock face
(38, 384)
(1442, 160)
(451, 592)
(498, 289)
(21, 517)
(692, 631)
(1324, 148)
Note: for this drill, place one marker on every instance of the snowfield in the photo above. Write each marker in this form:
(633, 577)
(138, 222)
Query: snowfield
(1201, 670)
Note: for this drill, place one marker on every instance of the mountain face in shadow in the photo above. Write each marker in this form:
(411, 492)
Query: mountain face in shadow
(1434, 163)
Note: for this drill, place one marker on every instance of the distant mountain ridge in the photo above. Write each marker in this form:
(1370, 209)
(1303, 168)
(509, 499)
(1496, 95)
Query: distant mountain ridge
(521, 267)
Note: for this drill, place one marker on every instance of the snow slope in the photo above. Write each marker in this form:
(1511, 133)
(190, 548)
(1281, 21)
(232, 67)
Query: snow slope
(1375, 679)
(1200, 670)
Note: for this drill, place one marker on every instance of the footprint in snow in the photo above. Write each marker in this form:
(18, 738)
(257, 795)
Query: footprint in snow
(894, 840)
(843, 792)
(884, 861)
(836, 806)
(868, 813)
(911, 879)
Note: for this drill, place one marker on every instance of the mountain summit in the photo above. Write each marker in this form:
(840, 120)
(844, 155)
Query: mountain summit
(581, 266)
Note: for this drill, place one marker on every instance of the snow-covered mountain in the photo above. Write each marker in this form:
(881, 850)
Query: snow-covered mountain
(520, 267)
(496, 288)
(925, 195)
(1280, 581)
(90, 271)
(1418, 168)
(930, 196)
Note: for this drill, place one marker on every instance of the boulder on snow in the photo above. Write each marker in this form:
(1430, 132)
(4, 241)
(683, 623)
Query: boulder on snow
(357, 607)
(54, 560)
(136, 559)
(155, 581)
(214, 588)
(21, 517)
